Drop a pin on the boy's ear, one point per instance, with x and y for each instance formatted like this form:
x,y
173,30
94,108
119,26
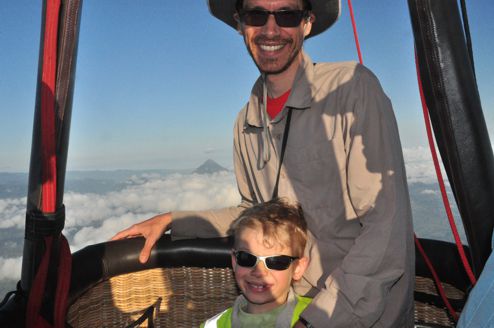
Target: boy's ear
x,y
299,268
234,262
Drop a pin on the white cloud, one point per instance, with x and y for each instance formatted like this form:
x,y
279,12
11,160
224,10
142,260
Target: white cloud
x,y
419,165
12,213
93,218
10,268
102,231
146,195
149,194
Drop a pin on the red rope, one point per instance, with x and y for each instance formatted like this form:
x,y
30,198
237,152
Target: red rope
x,y
441,184
440,180
355,34
439,285
48,131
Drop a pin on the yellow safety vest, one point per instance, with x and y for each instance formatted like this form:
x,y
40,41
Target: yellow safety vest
x,y
224,319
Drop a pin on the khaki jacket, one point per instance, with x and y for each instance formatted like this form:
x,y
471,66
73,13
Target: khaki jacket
x,y
344,164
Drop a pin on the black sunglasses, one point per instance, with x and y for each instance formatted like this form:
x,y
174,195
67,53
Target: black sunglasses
x,y
277,262
284,18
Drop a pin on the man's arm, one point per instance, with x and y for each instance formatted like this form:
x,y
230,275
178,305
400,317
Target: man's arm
x,y
359,291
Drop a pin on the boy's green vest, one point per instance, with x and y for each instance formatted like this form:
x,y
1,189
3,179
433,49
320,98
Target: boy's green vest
x,y
224,319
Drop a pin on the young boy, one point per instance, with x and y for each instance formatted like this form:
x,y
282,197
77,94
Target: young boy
x,y
268,255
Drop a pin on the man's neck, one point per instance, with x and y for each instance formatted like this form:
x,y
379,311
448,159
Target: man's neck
x,y
278,84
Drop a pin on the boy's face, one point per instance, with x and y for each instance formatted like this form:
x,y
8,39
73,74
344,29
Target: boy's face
x,y
263,288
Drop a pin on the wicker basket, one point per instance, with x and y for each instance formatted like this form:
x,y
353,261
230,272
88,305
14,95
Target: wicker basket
x,y
195,295
185,297
430,315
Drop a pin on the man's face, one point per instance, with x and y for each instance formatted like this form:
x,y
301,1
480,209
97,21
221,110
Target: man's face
x,y
274,49
265,289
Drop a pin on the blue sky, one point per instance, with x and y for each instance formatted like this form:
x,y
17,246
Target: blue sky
x,y
159,83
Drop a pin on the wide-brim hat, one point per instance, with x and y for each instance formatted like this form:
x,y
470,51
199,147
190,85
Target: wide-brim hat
x,y
326,12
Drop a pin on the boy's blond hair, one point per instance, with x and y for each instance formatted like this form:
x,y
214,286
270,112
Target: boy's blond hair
x,y
279,222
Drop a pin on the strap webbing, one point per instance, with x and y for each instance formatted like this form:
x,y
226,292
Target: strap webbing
x,y
48,131
282,154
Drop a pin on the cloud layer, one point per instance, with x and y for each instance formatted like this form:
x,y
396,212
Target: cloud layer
x,y
419,165
93,218
10,268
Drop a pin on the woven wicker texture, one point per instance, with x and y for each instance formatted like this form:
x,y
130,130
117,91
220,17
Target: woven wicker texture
x,y
428,314
195,295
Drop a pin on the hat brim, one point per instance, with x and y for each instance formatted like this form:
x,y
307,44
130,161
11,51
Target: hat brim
x,y
326,13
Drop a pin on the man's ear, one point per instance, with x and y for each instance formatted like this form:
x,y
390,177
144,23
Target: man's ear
x,y
239,24
299,267
308,24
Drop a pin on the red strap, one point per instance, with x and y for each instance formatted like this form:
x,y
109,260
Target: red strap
x,y
33,318
38,288
42,323
48,131
49,178
63,285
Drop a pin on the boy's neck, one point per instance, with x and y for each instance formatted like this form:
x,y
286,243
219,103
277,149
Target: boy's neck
x,y
261,308
254,309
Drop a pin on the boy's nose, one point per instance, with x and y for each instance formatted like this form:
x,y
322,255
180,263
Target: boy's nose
x,y
260,269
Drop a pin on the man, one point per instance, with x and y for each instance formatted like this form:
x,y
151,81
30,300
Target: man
x,y
327,139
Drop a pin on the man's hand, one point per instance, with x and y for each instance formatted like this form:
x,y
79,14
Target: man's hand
x,y
151,230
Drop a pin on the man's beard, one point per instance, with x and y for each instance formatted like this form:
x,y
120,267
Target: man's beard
x,y
291,58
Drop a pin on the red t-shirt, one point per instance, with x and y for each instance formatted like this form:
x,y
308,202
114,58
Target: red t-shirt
x,y
275,105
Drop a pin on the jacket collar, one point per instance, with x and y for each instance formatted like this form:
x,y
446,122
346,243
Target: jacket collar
x,y
300,96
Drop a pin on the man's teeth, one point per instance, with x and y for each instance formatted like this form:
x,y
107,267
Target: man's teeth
x,y
271,48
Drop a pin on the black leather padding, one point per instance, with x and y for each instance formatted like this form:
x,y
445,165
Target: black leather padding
x,y
99,262
453,102
447,263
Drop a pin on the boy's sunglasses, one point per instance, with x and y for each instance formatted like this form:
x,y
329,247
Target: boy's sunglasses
x,y
284,18
277,262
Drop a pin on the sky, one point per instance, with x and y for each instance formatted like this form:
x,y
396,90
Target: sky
x,y
159,83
